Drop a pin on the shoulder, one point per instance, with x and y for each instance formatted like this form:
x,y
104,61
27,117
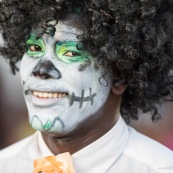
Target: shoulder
x,y
145,150
19,156
14,149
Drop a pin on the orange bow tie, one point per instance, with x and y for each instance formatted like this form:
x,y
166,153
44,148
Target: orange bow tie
x,y
61,163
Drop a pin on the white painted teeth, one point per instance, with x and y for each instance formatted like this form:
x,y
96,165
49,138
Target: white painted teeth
x,y
48,95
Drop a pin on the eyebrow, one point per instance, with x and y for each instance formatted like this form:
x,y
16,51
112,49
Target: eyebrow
x,y
65,42
66,32
60,42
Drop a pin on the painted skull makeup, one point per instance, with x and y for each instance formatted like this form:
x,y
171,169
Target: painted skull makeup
x,y
58,95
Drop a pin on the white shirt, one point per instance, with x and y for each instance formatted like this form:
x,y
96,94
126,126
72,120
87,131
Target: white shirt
x,y
120,150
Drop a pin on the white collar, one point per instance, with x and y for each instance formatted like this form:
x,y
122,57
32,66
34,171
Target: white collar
x,y
100,155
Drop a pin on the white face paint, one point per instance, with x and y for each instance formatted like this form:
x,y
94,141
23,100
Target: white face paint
x,y
63,96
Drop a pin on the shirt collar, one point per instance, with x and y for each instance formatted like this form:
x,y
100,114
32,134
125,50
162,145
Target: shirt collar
x,y
100,155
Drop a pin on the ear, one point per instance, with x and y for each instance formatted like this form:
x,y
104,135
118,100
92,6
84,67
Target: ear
x,y
118,83
118,90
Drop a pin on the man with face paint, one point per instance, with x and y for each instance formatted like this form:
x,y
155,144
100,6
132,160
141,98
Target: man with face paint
x,y
55,86
86,68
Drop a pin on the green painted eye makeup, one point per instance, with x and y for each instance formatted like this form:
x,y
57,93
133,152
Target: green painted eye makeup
x,y
69,53
65,51
35,46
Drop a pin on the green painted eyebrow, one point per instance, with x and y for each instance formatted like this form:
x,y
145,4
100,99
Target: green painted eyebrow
x,y
37,42
62,48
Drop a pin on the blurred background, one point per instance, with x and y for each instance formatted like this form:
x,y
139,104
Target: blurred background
x,y
14,120
13,114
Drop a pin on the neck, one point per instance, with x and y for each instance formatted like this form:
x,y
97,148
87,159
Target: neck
x,y
74,143
87,132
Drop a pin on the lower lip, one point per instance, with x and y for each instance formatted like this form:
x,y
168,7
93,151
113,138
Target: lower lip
x,y
43,102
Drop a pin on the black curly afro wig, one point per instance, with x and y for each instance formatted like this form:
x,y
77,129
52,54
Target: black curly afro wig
x,y
130,37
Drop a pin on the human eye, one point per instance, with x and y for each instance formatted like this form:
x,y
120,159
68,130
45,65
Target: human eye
x,y
68,52
71,54
35,46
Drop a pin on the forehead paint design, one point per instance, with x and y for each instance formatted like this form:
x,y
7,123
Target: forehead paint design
x,y
66,31
50,27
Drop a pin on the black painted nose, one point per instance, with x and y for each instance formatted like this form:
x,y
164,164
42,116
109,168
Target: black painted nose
x,y
46,70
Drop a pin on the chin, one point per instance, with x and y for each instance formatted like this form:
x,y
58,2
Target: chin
x,y
60,134
58,129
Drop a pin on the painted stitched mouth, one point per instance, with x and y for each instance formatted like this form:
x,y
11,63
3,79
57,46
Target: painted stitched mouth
x,y
72,97
40,94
